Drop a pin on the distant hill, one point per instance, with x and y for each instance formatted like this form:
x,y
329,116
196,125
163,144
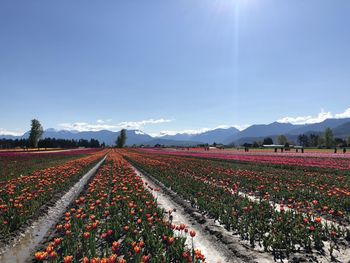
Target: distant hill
x,y
167,142
321,126
341,128
9,137
217,135
177,137
261,130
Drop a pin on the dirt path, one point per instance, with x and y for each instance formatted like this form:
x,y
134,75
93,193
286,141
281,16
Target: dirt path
x,y
216,243
22,247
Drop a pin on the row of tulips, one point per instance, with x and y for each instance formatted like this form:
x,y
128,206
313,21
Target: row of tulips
x,y
15,164
21,197
264,158
213,188
322,192
117,220
308,152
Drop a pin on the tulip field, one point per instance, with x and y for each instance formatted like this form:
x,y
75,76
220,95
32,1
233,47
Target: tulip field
x,y
281,206
15,164
317,160
281,210
29,181
117,220
320,192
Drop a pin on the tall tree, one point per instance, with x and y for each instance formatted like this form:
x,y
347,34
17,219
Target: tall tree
x,y
36,132
268,141
321,141
121,139
340,142
256,144
282,139
303,140
328,137
313,140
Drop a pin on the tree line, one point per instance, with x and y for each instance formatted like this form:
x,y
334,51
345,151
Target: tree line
x,y
322,140
34,140
326,140
50,143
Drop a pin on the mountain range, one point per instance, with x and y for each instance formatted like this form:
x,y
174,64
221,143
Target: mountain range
x,y
341,128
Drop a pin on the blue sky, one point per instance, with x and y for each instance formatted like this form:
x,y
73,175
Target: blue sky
x,y
172,65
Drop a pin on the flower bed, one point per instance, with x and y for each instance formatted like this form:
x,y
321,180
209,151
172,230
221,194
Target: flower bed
x,y
14,164
22,197
314,160
213,186
117,220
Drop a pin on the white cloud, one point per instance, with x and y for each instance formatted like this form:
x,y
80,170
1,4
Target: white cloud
x,y
136,125
345,114
172,132
83,126
7,132
104,121
323,115
104,125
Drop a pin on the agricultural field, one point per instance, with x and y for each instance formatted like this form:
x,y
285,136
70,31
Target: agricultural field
x,y
323,192
168,205
202,131
29,181
117,219
266,157
283,207
14,163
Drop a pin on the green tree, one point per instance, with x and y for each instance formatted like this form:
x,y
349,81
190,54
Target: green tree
x,y
314,140
321,141
121,139
256,144
35,134
349,141
303,140
339,142
282,139
329,138
268,141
